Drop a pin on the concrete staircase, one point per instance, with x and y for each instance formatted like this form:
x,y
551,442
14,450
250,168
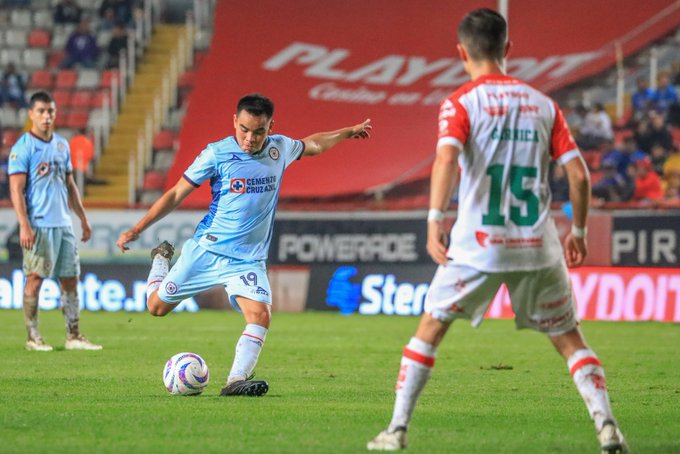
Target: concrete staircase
x,y
147,100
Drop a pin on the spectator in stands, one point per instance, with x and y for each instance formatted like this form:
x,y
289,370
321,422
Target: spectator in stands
x,y
82,152
118,43
613,187
658,157
666,96
671,172
4,177
107,21
576,119
559,184
67,12
596,129
660,133
81,48
643,99
647,182
643,135
13,87
122,10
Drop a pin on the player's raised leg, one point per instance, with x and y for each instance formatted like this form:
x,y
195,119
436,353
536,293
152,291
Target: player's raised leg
x,y
161,256
70,307
588,375
34,340
416,366
239,383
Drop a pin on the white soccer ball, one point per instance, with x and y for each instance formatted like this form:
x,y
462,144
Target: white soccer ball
x,y
186,374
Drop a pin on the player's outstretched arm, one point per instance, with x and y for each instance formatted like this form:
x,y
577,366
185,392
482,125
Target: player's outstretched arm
x,y
168,202
575,247
442,182
76,204
319,142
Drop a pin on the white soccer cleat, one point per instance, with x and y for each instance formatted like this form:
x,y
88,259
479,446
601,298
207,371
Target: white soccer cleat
x,y
38,345
80,343
611,439
388,441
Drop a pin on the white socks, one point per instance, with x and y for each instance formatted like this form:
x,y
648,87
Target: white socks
x,y
31,316
247,351
70,307
588,376
159,269
416,366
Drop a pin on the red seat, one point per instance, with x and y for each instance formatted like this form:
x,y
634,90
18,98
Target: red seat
x,y
153,180
62,117
97,100
62,98
10,136
39,38
164,140
82,99
77,119
186,80
107,75
66,78
42,79
54,58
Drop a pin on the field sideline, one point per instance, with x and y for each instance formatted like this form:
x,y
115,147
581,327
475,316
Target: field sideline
x,y
331,387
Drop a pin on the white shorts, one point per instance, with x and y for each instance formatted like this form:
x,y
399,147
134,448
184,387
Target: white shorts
x,y
542,299
54,253
198,270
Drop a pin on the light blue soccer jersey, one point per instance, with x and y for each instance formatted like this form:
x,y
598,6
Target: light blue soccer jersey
x,y
46,165
245,191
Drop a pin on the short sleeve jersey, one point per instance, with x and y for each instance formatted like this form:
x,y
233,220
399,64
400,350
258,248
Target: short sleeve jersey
x,y
245,191
46,165
507,133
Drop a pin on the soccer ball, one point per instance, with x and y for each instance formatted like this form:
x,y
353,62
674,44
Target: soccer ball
x,y
186,374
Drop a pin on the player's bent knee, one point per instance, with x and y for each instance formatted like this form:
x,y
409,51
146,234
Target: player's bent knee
x,y
158,307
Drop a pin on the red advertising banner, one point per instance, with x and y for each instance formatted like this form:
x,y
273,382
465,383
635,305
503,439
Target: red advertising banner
x,y
616,294
333,64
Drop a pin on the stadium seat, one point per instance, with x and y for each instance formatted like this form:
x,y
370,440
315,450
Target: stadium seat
x,y
10,118
59,38
88,78
106,77
77,119
39,38
34,58
66,78
10,56
81,99
103,39
16,38
42,18
21,18
10,136
98,98
54,58
164,140
62,97
153,180
41,79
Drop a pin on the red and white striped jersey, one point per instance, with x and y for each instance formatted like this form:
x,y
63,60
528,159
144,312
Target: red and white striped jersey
x,y
507,133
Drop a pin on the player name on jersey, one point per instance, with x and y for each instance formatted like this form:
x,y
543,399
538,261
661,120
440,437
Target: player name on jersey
x,y
514,134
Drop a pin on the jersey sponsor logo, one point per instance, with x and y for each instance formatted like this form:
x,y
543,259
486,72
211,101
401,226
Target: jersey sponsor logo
x,y
171,288
514,135
235,157
448,110
274,153
496,111
43,168
237,185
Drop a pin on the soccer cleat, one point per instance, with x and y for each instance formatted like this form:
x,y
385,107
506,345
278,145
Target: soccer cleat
x,y
80,343
611,439
248,387
38,345
388,441
164,249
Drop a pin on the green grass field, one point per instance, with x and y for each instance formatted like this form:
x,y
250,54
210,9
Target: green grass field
x,y
331,387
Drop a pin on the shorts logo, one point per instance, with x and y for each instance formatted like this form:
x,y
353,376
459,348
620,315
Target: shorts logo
x,y
481,238
171,288
237,185
274,153
43,168
210,237
261,291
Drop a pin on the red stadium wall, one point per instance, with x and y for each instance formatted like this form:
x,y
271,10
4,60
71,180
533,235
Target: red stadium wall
x,y
330,64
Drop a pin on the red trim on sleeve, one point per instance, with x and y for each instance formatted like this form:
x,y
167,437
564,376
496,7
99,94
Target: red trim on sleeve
x,y
584,362
561,141
417,357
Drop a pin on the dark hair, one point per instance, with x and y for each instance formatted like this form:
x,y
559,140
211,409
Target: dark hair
x,y
256,105
484,33
40,96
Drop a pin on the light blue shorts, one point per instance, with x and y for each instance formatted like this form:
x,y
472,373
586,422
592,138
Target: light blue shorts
x,y
54,253
198,270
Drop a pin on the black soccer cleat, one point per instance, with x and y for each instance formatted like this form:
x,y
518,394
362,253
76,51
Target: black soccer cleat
x,y
164,249
251,388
